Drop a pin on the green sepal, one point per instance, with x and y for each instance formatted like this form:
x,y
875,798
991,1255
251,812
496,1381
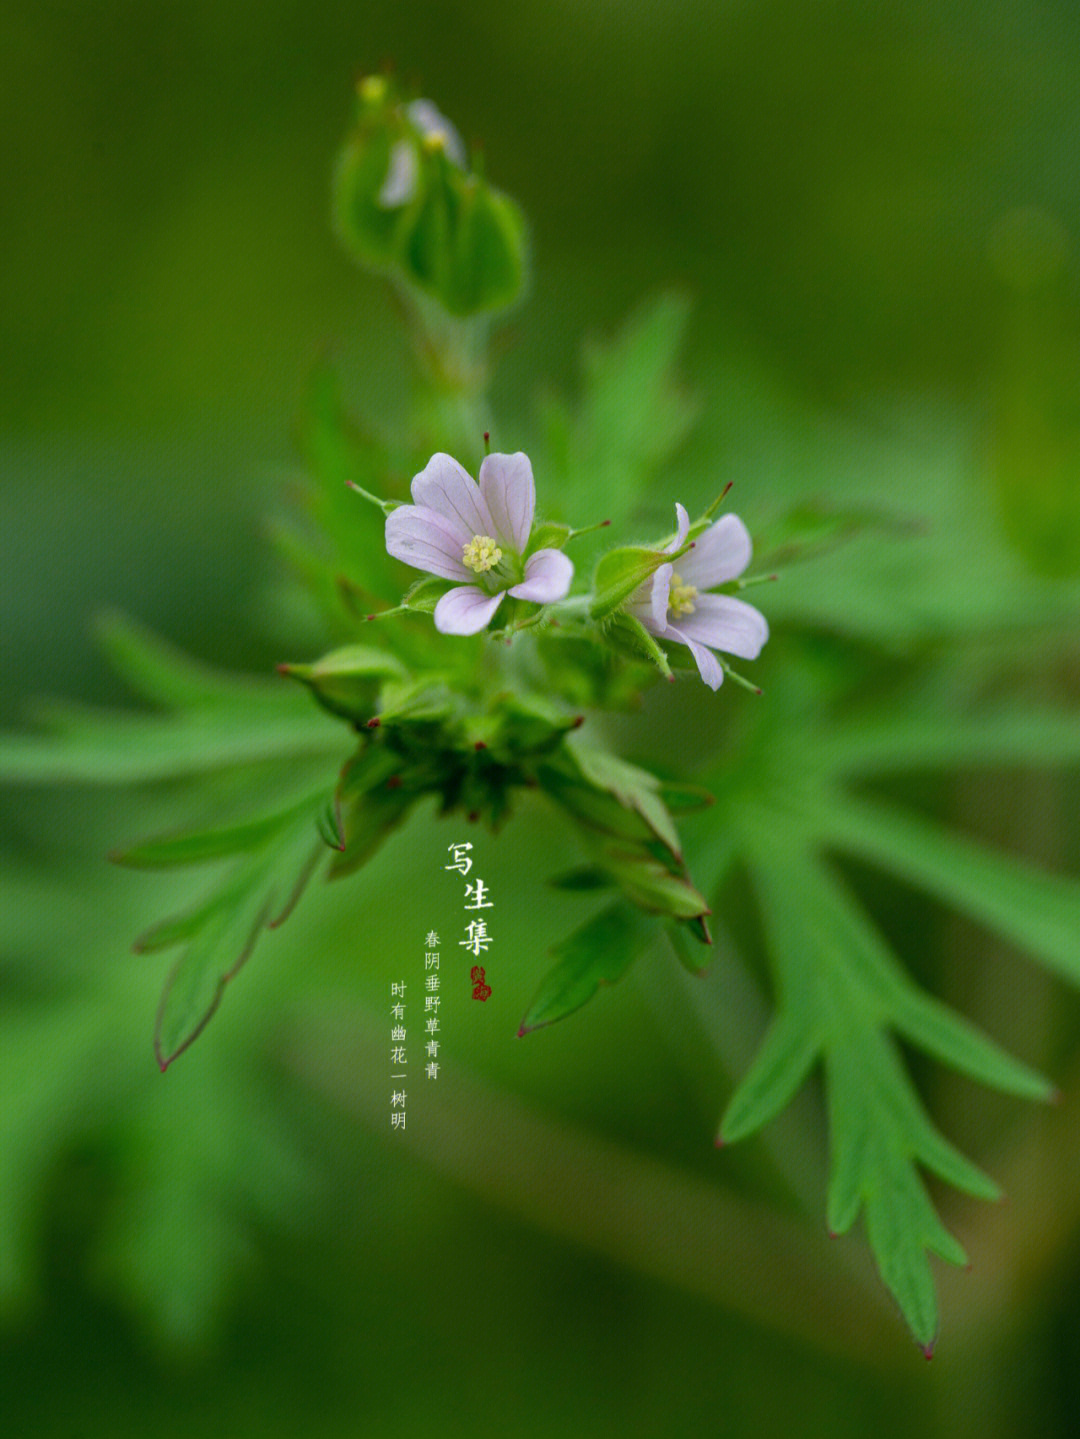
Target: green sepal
x,y
596,808
425,594
653,886
346,681
548,536
370,801
633,787
687,957
369,231
629,635
453,237
367,822
618,575
683,798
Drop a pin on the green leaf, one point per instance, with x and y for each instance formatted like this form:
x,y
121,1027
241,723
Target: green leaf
x,y
156,670
108,747
258,896
631,419
653,886
780,1067
682,798
1037,911
915,737
813,528
839,992
214,844
168,933
599,952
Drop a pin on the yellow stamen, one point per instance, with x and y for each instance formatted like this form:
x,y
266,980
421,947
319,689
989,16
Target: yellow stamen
x,y
481,553
434,142
680,597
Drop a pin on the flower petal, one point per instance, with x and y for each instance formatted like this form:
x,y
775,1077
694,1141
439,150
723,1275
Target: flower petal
x,y
465,611
506,483
719,555
547,578
682,524
660,595
429,120
400,184
426,540
442,485
726,624
707,663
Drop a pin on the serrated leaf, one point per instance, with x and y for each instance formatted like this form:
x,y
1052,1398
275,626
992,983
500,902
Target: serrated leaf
x,y
779,1070
168,933
182,849
261,894
933,1027
106,747
1008,735
1037,911
159,671
632,416
839,992
599,952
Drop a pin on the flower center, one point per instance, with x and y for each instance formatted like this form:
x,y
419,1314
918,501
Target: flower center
x,y
481,554
680,597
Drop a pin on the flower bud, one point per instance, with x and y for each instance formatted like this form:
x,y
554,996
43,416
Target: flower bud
x,y
347,681
406,203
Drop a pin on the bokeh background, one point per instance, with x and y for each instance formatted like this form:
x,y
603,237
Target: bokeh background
x,y
874,211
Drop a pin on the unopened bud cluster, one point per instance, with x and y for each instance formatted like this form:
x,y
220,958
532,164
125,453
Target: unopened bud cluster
x,y
407,203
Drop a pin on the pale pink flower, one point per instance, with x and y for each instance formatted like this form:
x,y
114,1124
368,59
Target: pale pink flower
x,y
674,603
476,533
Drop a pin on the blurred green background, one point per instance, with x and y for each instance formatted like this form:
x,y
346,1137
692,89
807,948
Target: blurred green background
x,y
873,209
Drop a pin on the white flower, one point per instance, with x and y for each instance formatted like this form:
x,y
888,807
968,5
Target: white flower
x,y
674,604
436,130
476,533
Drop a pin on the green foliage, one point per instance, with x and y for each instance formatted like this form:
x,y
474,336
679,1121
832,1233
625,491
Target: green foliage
x,y
868,682
631,418
599,952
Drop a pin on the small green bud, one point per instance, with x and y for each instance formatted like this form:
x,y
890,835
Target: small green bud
x,y
406,203
347,681
619,574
